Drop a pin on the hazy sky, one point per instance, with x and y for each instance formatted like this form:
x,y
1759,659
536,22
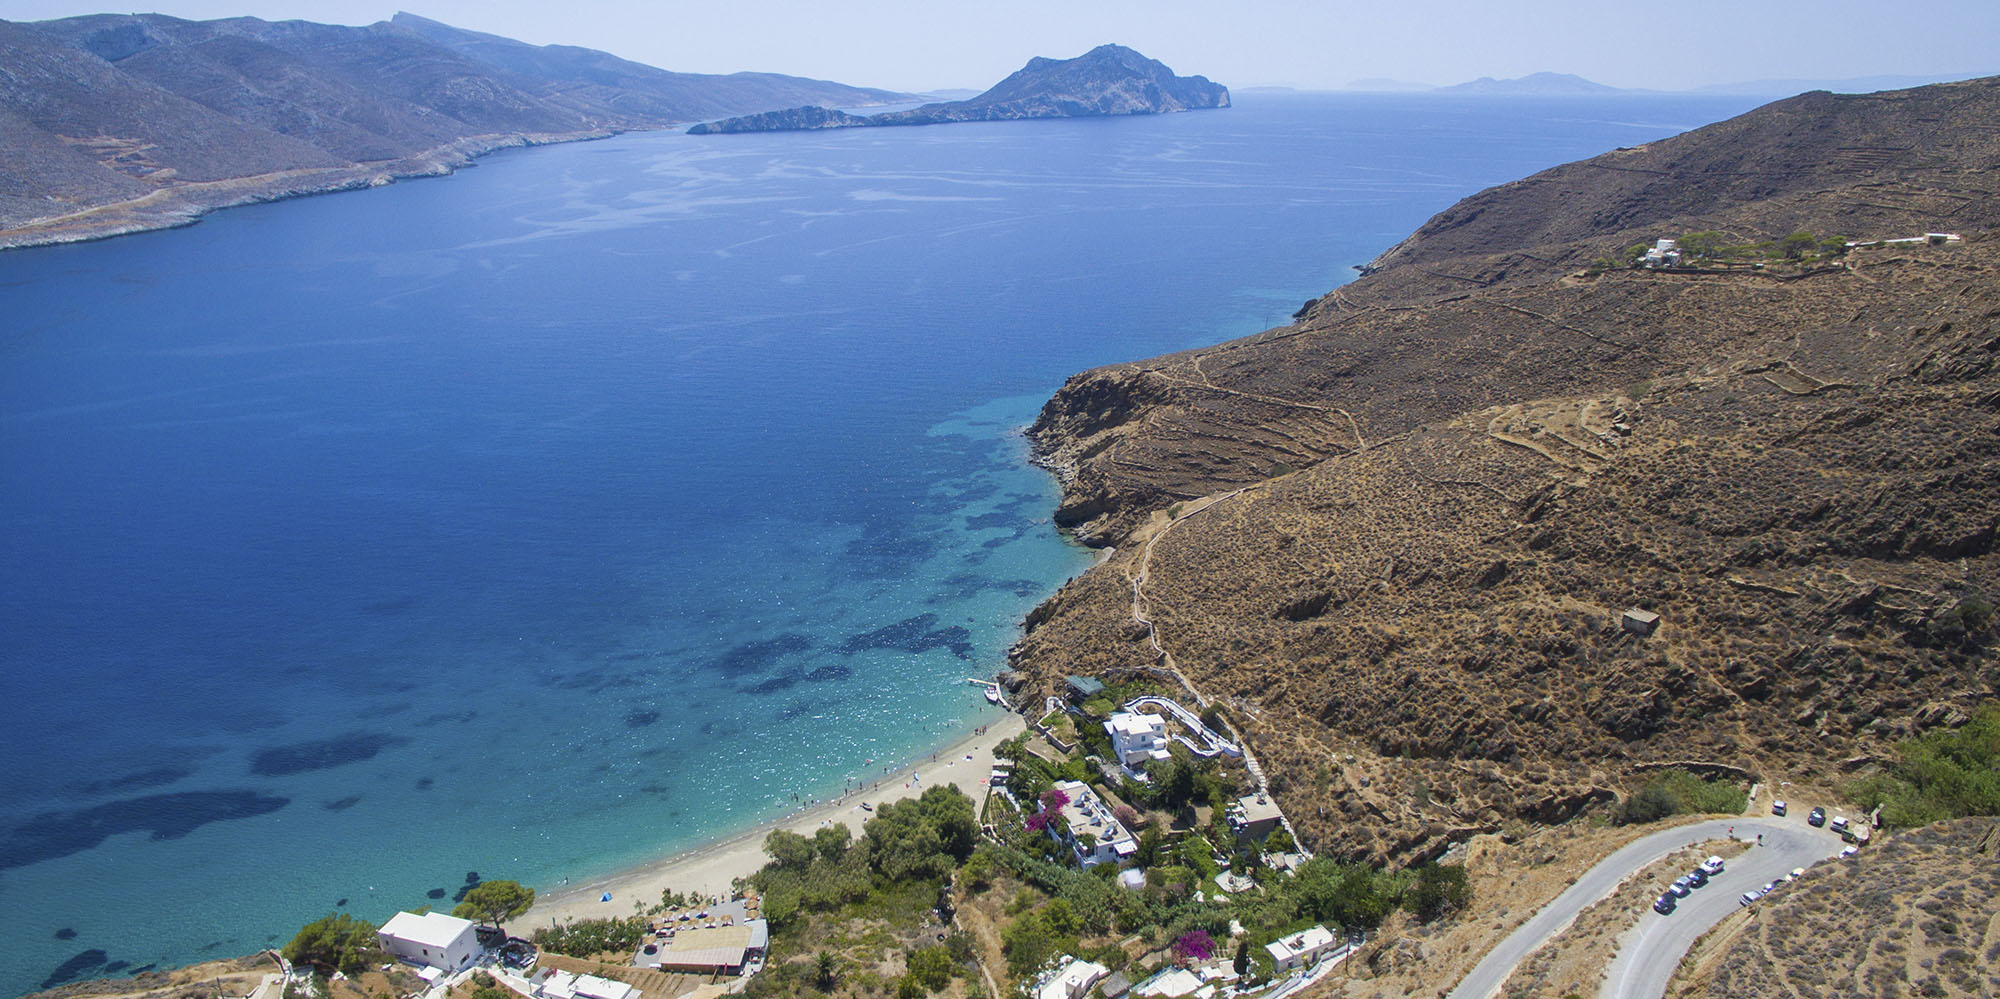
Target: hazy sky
x,y
932,44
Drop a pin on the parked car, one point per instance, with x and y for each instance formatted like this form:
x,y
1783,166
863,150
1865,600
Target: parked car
x,y
1797,873
1664,904
1751,896
1771,886
1839,824
1850,851
1816,817
1697,877
1679,887
1712,865
1778,807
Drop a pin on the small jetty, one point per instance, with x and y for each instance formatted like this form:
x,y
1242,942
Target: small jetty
x,y
993,695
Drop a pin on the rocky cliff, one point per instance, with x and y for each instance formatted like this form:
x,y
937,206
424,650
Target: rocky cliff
x,y
1398,536
113,123
1107,80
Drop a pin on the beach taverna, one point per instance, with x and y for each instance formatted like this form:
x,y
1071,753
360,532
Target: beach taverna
x,y
722,950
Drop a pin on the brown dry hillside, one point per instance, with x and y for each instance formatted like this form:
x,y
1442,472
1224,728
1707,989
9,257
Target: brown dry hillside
x,y
1440,493
1920,917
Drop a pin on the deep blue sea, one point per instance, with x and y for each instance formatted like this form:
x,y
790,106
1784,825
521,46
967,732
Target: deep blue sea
x,y
581,507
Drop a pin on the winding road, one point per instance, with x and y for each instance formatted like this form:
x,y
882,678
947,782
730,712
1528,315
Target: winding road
x,y
1650,951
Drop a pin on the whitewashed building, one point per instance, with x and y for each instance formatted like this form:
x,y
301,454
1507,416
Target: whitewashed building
x,y
564,985
1072,980
1300,949
1092,833
1137,739
433,940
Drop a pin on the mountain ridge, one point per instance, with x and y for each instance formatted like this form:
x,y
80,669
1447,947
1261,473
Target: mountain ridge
x,y
120,123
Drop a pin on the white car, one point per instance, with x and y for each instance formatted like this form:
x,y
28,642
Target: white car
x,y
1778,807
1797,873
1850,851
1751,896
1839,824
1712,865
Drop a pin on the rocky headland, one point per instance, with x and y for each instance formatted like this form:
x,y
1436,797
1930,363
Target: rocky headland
x,y
1396,539
115,123
1107,80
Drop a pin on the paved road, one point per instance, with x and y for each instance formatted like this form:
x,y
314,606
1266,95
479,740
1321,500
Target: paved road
x,y
1650,952
1788,843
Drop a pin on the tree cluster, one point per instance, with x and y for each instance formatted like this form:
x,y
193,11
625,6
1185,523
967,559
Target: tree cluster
x,y
335,943
912,840
590,937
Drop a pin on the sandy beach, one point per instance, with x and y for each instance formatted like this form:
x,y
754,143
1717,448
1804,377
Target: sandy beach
x,y
709,870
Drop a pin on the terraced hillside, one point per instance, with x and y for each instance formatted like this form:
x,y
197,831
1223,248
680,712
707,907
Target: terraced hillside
x,y
1399,535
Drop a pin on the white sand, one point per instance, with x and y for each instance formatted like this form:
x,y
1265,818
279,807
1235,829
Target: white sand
x,y
709,869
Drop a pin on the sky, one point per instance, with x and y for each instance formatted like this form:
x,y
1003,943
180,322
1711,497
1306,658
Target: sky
x,y
920,45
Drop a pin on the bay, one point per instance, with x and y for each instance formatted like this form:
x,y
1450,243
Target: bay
x,y
584,506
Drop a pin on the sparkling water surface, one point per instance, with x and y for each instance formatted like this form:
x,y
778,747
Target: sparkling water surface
x,y
582,507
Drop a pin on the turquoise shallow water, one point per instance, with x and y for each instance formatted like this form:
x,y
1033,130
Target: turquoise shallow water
x,y
582,507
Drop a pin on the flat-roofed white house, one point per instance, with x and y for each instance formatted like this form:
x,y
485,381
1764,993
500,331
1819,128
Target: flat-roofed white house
x,y
433,940
1137,739
564,985
1301,948
1071,981
1253,817
1094,835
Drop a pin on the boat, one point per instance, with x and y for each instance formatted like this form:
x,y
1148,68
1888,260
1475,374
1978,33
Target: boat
x,y
993,694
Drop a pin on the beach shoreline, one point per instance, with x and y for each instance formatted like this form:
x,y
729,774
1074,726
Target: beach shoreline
x,y
708,870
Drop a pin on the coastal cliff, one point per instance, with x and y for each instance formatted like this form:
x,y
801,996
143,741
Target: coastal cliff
x,y
116,123
1107,80
1397,538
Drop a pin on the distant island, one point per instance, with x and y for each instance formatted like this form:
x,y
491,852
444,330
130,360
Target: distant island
x,y
1532,85
1108,80
114,123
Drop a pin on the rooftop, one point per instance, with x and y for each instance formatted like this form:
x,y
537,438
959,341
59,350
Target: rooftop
x,y
1087,813
721,947
1129,724
565,985
431,929
1257,808
1301,942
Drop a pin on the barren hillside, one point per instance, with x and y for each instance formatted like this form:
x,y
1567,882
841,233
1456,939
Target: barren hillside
x,y
1442,488
1919,917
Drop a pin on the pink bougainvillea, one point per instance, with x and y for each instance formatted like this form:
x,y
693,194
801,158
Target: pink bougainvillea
x,y
1052,806
1194,945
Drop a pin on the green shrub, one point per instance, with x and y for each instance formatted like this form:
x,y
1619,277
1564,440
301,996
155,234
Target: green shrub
x,y
1673,792
1940,775
932,968
1441,889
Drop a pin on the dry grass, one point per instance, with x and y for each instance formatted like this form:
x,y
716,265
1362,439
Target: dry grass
x,y
1918,915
